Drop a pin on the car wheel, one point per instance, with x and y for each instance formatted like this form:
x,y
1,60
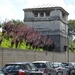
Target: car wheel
x,y
49,74
72,73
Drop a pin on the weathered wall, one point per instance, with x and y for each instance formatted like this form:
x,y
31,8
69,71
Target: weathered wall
x,y
13,55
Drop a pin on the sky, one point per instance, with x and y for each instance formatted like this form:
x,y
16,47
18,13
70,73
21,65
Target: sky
x,y
13,9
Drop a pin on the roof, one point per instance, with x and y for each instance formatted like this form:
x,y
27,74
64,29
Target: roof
x,y
46,8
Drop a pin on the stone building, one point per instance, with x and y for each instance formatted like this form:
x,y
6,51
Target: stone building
x,y
50,21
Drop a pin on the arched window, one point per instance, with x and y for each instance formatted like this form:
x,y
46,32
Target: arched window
x,y
36,14
47,14
41,14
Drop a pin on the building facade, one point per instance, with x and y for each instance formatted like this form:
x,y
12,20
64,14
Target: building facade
x,y
50,21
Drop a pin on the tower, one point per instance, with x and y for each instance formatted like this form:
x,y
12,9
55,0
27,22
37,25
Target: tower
x,y
50,21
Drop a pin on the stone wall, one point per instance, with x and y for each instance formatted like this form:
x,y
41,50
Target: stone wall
x,y
14,55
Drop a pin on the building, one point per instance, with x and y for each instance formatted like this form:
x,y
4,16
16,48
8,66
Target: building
x,y
50,21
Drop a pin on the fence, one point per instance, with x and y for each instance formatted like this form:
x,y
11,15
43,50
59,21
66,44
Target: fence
x,y
14,55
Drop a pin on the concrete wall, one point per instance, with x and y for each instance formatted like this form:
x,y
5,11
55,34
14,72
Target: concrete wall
x,y
13,55
44,24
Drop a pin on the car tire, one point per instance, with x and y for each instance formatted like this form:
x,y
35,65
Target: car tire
x,y
72,73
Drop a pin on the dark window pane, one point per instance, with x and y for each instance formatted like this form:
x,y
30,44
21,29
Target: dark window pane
x,y
41,14
36,14
47,14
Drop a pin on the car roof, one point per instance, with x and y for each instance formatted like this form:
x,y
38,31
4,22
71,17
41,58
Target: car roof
x,y
18,63
71,62
40,61
56,63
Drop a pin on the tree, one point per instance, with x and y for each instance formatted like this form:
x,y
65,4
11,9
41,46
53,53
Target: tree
x,y
19,32
71,24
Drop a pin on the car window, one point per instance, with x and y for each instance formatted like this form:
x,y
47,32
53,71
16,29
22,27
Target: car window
x,y
8,67
67,64
27,67
32,66
58,65
55,65
62,66
49,64
17,67
70,64
12,66
40,65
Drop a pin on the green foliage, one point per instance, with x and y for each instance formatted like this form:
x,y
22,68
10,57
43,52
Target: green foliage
x,y
6,43
17,22
71,45
71,24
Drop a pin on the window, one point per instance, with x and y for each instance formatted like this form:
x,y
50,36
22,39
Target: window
x,y
12,66
40,65
47,14
27,67
49,64
8,67
32,66
36,14
41,14
17,67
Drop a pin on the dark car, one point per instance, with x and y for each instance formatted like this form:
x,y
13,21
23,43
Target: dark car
x,y
46,67
21,68
70,67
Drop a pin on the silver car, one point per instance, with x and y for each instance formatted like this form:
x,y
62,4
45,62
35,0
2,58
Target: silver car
x,y
46,67
60,68
73,63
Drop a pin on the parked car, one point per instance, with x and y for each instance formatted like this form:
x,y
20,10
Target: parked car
x,y
21,68
46,67
1,72
60,68
73,63
70,67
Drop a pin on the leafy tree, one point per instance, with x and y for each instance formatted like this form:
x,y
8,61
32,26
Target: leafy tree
x,y
19,32
71,24
17,22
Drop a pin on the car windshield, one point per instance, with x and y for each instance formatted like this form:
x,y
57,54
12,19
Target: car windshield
x,y
67,64
12,66
58,65
40,65
32,66
55,65
49,64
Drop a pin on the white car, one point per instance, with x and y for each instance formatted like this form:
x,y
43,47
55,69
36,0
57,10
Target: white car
x,y
73,63
46,67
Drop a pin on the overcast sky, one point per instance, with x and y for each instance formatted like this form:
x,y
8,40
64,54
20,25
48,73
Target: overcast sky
x,y
13,9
